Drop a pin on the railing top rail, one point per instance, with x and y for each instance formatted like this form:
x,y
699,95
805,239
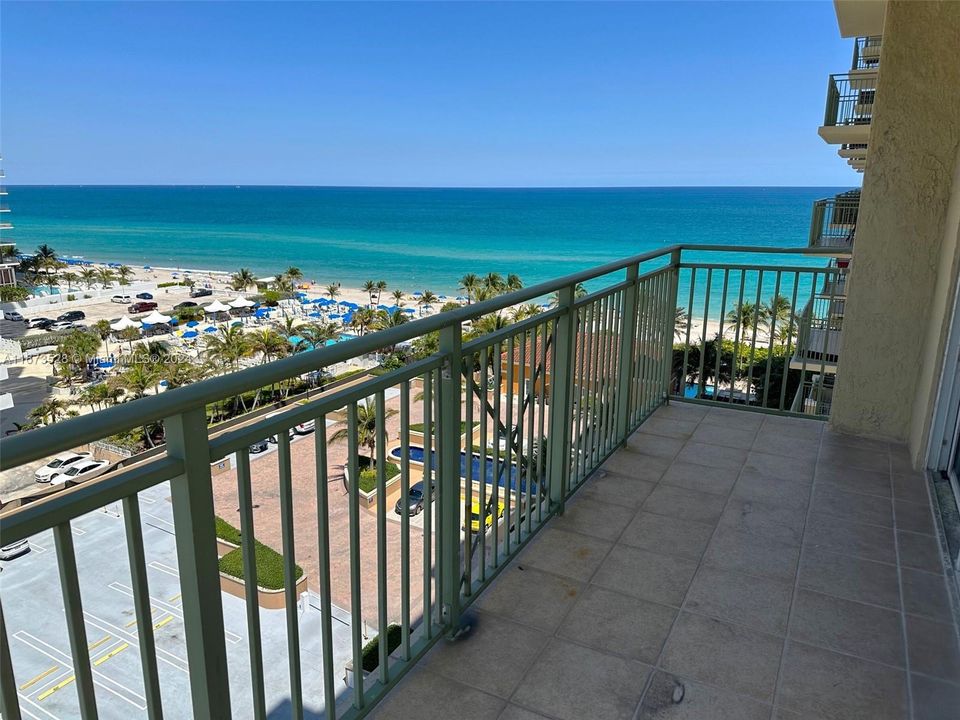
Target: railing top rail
x,y
30,446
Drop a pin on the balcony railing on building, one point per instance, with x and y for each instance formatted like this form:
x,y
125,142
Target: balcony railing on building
x,y
834,221
550,398
866,53
849,107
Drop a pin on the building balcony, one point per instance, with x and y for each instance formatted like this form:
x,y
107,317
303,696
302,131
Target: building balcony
x,y
599,545
834,221
849,108
866,52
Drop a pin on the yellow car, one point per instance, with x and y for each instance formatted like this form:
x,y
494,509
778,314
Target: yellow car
x,y
475,516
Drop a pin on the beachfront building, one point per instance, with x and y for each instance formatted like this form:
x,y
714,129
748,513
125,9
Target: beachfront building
x,y
8,264
682,558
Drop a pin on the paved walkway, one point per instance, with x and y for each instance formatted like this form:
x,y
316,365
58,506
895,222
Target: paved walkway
x,y
725,565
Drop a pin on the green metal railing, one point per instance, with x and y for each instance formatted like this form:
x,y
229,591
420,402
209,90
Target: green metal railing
x,y
543,402
833,223
866,52
850,99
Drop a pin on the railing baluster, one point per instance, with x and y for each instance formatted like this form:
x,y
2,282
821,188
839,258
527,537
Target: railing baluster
x,y
248,552
496,456
76,625
753,336
405,518
736,336
772,331
701,380
484,441
141,605
530,400
323,566
9,702
788,354
719,353
561,395
353,510
670,328
547,345
449,476
290,572
467,367
578,341
192,504
381,471
428,489
516,476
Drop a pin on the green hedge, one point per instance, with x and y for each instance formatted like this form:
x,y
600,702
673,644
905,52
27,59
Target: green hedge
x,y
269,566
167,284
226,531
368,474
371,651
29,342
418,427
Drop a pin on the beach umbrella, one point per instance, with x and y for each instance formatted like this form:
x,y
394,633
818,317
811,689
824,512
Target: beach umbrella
x,y
441,297
215,307
409,310
124,323
145,325
210,329
334,316
156,317
105,364
237,322
240,302
417,293
193,323
461,298
314,314
189,334
146,267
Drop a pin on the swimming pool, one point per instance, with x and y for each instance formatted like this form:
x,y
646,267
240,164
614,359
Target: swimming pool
x,y
417,454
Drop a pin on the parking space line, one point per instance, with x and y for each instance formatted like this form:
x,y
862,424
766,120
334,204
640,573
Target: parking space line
x,y
158,625
118,649
104,681
160,520
165,655
172,609
59,686
165,568
99,642
37,547
31,703
34,680
174,598
153,611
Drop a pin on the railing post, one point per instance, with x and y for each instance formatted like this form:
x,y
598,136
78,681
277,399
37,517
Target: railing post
x,y
628,348
669,320
561,400
449,477
192,502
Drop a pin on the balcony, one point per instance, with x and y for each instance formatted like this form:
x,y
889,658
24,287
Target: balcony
x,y
638,537
866,52
849,108
834,221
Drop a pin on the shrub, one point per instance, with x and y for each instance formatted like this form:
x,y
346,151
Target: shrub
x,y
29,342
269,566
418,427
371,651
13,293
368,473
226,531
167,284
71,296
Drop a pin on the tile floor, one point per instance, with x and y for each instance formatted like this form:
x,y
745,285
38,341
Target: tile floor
x,y
724,565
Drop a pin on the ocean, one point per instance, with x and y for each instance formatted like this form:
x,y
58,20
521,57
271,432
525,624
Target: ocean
x,y
414,239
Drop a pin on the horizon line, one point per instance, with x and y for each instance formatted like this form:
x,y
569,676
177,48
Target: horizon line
x,y
407,187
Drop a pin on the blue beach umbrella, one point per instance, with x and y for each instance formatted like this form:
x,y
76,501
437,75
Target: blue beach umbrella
x,y
105,364
314,314
193,323
190,334
417,293
210,329
409,310
334,316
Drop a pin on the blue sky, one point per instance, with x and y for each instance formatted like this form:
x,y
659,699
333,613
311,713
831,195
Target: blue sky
x,y
456,94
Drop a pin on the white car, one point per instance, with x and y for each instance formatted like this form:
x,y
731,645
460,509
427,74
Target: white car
x,y
304,428
58,464
38,322
62,325
122,299
83,470
12,315
8,552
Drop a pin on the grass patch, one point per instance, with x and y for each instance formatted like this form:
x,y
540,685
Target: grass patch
x,y
226,531
269,566
368,473
371,651
501,454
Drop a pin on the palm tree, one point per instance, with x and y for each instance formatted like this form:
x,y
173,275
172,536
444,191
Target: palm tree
x,y
124,273
333,291
290,326
70,279
105,276
522,312
777,314
294,273
578,292
268,344
388,320
51,410
363,319
317,334
494,283
242,279
490,323
227,347
680,320
88,276
368,424
428,298
128,335
45,252
101,395
469,283
8,252
397,297
370,287
513,282
381,286
743,317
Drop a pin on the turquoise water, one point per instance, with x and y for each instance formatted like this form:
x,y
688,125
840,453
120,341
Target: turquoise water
x,y
415,239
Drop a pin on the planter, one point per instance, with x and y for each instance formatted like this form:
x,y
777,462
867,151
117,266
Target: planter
x,y
369,499
223,547
268,599
349,677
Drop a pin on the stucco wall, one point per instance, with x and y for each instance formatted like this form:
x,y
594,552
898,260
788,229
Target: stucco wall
x,y
895,312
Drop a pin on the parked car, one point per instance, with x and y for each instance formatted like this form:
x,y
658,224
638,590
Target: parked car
x,y
201,292
259,446
415,499
72,316
475,516
39,322
8,552
184,304
58,464
305,428
83,470
12,315
142,306
144,296
120,299
61,325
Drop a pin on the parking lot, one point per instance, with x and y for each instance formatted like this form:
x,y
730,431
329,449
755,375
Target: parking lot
x,y
36,626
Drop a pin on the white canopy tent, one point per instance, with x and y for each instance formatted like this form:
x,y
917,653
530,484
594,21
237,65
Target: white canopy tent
x,y
216,306
155,317
124,323
240,302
